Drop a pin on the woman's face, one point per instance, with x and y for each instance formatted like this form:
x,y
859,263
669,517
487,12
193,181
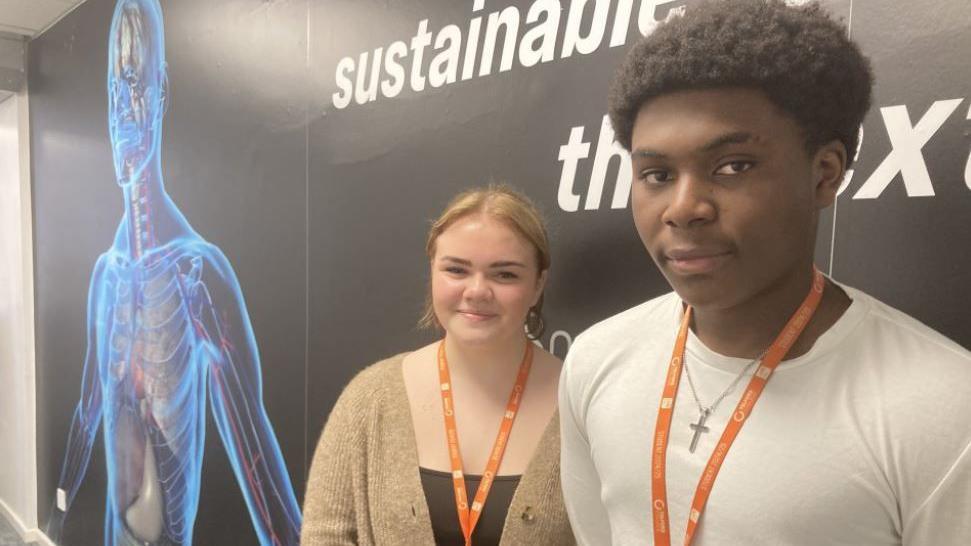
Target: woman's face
x,y
484,280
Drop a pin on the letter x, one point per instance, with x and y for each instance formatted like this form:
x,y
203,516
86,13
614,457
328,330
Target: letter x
x,y
906,157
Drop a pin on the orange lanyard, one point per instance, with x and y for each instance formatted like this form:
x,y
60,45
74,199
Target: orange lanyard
x,y
468,518
777,351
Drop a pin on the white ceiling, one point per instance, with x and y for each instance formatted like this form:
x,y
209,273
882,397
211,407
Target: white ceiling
x,y
31,17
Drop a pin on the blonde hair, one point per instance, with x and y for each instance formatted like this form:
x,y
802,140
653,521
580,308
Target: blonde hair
x,y
502,203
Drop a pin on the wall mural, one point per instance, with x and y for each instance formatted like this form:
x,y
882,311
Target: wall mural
x,y
167,329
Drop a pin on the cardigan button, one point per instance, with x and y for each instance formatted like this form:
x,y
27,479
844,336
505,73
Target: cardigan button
x,y
528,515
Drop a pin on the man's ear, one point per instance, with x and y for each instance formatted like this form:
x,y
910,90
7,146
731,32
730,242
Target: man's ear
x,y
828,170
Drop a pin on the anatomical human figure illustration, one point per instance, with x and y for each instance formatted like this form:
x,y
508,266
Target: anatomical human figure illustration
x,y
167,329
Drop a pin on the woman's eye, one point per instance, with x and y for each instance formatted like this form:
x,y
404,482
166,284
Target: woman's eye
x,y
455,270
735,167
507,275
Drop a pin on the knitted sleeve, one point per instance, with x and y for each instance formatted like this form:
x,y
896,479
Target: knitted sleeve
x,y
336,486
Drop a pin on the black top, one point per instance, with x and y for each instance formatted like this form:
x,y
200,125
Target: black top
x,y
440,495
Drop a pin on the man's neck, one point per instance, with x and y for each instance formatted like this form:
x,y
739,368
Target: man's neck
x,y
748,329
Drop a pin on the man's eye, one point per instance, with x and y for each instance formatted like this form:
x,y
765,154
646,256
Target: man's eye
x,y
655,176
735,167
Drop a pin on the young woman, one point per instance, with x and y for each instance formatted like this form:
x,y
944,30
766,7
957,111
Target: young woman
x,y
456,443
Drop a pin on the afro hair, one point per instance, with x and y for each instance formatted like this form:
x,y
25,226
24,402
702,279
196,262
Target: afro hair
x,y
799,57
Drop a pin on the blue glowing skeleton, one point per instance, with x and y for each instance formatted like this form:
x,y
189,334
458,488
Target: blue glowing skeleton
x,y
166,323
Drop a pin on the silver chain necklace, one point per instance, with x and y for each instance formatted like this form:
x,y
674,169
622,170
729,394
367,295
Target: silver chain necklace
x,y
704,412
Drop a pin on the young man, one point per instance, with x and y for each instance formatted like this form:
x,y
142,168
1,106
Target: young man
x,y
759,403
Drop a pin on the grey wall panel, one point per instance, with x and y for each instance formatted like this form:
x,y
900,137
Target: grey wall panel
x,y
900,232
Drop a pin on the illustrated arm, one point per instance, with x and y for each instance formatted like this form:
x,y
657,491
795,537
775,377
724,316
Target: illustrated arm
x,y
87,414
236,396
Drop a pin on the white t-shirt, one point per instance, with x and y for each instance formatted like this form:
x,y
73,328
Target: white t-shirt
x,y
864,440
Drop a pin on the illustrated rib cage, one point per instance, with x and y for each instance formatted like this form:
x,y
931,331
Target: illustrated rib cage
x,y
157,371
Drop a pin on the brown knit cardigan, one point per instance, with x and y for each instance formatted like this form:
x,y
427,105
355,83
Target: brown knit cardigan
x,y
364,487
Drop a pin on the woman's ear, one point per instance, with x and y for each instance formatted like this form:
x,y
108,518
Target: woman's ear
x,y
540,285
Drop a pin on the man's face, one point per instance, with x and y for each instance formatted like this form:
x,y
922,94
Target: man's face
x,y
135,94
725,195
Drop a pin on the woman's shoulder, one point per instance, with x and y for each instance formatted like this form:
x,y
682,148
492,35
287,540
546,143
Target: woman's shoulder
x,y
546,367
377,377
540,354
373,391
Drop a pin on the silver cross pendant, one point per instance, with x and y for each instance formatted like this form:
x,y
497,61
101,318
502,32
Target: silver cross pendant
x,y
698,427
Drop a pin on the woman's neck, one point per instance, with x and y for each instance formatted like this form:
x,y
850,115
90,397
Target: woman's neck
x,y
487,364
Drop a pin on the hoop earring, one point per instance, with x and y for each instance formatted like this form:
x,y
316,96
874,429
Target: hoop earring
x,y
535,325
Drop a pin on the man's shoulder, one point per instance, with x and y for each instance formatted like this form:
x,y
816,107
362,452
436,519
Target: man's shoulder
x,y
614,342
911,389
901,367
637,321
886,327
617,349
